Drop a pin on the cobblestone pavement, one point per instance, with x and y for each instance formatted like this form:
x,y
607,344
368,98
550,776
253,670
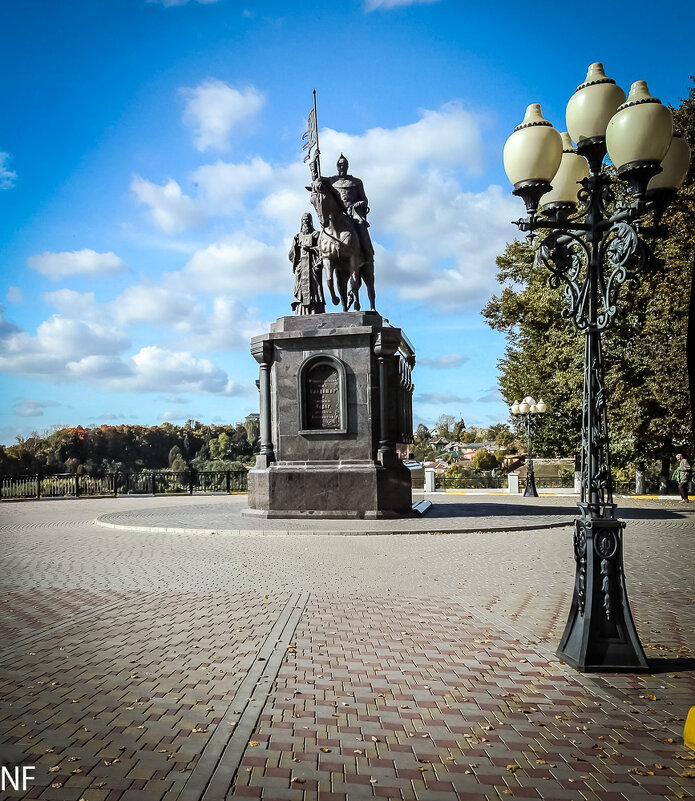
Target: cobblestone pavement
x,y
144,666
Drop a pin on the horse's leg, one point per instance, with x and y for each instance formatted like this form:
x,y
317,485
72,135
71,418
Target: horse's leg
x,y
355,281
330,279
368,270
342,288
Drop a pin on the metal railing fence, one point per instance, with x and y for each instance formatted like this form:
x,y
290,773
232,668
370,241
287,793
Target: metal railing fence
x,y
164,482
470,482
548,482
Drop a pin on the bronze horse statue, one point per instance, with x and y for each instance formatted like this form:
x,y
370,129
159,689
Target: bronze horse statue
x,y
339,246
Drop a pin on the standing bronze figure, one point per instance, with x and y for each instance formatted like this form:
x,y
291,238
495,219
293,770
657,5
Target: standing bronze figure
x,y
308,270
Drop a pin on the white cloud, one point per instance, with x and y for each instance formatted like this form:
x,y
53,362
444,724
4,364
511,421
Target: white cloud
x,y
170,209
73,304
7,329
155,369
223,187
173,398
152,303
440,398
14,295
223,324
492,395
87,263
228,326
172,416
241,264
436,243
214,109
57,342
26,407
7,176
100,370
108,417
93,353
447,361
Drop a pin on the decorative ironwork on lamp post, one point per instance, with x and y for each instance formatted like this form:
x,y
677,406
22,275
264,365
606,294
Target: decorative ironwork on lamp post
x,y
596,244
529,410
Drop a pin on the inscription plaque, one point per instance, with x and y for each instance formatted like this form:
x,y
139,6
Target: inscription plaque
x,y
322,397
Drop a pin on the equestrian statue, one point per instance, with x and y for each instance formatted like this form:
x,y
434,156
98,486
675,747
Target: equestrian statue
x,y
344,244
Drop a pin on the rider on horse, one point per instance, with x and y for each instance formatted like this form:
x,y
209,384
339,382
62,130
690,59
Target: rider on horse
x,y
351,191
350,195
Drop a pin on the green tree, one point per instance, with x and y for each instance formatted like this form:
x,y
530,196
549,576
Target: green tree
x,y
455,471
253,429
178,463
421,434
505,438
219,447
484,460
458,430
174,455
444,424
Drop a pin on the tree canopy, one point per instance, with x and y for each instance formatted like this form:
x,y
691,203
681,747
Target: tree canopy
x,y
129,448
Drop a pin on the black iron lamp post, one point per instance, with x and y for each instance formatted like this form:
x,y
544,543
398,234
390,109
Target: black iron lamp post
x,y
594,245
529,410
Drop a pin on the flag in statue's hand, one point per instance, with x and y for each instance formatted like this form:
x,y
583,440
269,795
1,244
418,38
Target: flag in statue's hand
x,y
311,135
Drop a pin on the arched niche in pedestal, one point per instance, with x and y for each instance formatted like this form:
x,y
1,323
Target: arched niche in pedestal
x,y
322,395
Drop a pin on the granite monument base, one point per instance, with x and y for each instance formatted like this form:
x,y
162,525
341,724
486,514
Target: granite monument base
x,y
335,392
357,491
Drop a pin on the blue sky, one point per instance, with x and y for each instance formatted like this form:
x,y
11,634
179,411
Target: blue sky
x,y
151,179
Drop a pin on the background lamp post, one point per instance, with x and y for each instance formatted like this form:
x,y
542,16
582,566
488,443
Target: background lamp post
x,y
593,245
529,410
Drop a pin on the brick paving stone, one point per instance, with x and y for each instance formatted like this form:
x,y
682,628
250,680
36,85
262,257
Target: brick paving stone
x,y
119,644
527,724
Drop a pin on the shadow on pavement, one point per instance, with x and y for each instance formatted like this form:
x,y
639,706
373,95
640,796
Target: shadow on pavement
x,y
644,513
477,509
671,664
533,508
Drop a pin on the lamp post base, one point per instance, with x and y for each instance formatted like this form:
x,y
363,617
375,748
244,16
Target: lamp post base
x,y
530,490
600,635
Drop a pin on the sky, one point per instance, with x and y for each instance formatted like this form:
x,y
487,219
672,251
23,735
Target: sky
x,y
151,180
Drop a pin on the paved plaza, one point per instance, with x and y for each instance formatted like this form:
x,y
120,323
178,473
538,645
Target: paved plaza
x,y
167,649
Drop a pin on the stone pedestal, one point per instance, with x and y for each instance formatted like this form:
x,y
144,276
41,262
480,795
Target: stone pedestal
x,y
336,397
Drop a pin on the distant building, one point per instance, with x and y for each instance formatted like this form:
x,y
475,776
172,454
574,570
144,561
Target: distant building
x,y
438,465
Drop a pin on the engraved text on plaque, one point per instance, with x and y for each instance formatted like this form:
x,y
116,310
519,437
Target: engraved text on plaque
x,y
322,397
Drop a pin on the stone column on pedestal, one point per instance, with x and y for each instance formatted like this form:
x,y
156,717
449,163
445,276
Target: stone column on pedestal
x,y
385,347
262,352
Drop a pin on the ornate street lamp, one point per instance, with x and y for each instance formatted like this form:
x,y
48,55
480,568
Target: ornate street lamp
x,y
592,248
529,410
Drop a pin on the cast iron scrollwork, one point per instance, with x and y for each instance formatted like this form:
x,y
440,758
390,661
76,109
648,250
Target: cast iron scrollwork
x,y
565,255
621,250
580,557
606,587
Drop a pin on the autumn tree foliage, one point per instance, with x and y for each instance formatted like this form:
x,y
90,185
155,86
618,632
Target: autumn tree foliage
x,y
129,448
